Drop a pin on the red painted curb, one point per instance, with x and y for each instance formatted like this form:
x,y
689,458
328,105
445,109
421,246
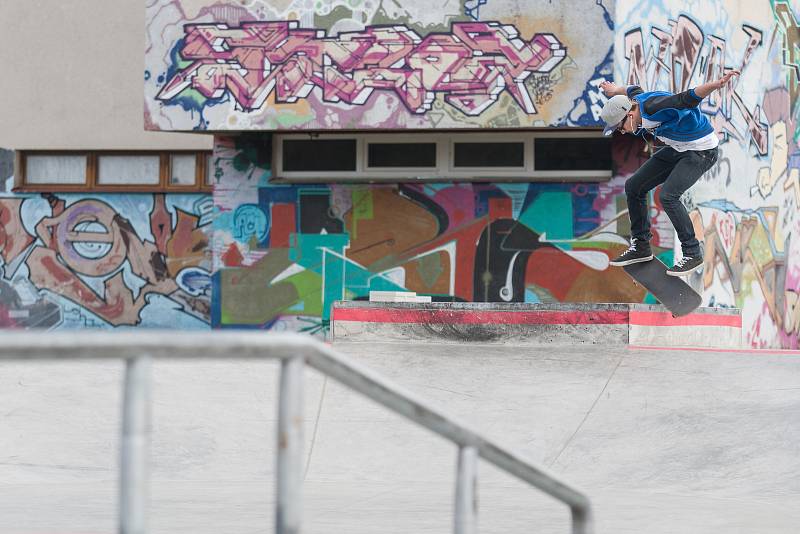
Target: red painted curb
x,y
645,318
477,317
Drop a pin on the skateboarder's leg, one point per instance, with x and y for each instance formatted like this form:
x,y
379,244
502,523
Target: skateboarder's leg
x,y
651,174
690,167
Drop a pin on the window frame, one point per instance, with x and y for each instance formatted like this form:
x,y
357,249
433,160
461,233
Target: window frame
x,y
208,165
445,169
91,182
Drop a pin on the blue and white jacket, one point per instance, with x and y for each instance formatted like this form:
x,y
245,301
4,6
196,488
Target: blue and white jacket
x,y
679,117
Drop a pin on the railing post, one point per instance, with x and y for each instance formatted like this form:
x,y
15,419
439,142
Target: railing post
x,y
466,509
134,453
289,506
582,522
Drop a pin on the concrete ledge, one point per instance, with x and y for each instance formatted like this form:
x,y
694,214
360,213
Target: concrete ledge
x,y
534,324
654,326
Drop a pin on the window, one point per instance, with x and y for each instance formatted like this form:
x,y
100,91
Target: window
x,y
68,169
400,155
146,171
572,153
128,170
545,155
303,155
488,154
182,169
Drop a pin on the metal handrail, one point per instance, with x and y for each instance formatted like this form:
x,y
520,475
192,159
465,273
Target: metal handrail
x,y
294,351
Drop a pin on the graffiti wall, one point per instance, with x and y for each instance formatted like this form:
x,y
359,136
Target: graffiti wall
x,y
102,261
284,253
745,209
362,64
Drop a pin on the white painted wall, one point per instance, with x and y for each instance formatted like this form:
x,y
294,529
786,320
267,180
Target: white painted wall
x,y
73,77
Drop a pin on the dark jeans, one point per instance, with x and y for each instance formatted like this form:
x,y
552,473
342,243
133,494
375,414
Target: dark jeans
x,y
678,171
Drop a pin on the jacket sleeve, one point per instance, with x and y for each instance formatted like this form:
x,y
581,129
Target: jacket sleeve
x,y
633,90
685,100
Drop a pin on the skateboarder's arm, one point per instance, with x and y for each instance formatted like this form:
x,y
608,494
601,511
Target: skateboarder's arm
x,y
686,99
706,89
611,89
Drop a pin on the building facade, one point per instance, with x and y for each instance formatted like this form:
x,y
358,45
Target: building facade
x,y
452,150
96,236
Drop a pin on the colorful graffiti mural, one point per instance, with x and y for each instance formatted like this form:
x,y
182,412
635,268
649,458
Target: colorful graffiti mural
x,y
366,64
285,253
301,247
470,65
746,208
746,257
72,261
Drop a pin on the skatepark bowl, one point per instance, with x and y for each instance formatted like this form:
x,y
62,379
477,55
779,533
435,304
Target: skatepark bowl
x,y
660,440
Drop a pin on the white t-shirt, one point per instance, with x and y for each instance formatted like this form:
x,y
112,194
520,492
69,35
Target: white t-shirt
x,y
704,143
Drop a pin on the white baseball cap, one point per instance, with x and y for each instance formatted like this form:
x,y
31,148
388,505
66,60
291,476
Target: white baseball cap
x,y
614,112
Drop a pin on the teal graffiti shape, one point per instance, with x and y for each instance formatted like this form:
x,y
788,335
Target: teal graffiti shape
x,y
248,221
324,255
551,214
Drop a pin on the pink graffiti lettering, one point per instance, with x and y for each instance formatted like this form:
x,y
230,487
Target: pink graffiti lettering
x,y
470,66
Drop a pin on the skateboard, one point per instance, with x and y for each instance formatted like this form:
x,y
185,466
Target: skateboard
x,y
675,294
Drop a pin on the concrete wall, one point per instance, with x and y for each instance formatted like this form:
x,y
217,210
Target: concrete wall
x,y
284,253
746,208
72,77
356,64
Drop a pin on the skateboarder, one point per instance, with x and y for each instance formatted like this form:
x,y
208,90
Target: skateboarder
x,y
691,149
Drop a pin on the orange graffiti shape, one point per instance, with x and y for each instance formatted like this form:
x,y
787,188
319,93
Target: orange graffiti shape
x,y
14,239
89,238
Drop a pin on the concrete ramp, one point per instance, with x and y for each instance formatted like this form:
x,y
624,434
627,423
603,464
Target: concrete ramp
x,y
662,441
535,324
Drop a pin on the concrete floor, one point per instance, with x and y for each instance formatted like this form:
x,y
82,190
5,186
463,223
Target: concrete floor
x,y
662,441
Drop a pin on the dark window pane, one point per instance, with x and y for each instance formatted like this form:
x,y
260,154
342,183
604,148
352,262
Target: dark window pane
x,y
401,155
489,155
572,153
319,155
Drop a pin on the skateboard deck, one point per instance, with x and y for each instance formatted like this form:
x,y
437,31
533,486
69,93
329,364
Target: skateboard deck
x,y
675,294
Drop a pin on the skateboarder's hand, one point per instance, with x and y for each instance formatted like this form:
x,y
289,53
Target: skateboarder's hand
x,y
727,77
609,88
